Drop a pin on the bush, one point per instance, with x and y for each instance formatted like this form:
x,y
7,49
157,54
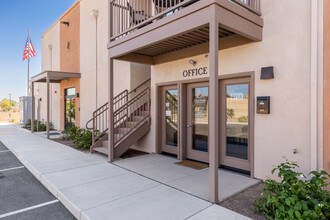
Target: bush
x,y
81,137
243,119
70,133
42,126
295,197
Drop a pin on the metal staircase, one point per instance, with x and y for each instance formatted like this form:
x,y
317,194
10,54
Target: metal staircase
x,y
131,121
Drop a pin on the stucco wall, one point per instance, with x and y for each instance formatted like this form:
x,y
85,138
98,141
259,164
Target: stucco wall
x,y
286,46
88,60
50,60
70,41
326,109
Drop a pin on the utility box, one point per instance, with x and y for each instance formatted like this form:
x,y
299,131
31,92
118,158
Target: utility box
x,y
263,105
25,103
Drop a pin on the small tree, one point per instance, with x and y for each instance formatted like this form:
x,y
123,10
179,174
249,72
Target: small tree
x,y
5,104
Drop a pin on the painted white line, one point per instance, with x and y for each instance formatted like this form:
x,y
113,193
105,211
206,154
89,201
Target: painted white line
x,y
28,209
4,151
14,168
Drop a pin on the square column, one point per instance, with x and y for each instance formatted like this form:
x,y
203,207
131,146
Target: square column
x,y
214,105
48,103
111,120
32,106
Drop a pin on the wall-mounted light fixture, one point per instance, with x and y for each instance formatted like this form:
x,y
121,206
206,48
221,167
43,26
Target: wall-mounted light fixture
x,y
66,23
94,13
193,62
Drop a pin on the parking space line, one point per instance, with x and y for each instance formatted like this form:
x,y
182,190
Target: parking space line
x,y
4,151
28,209
14,168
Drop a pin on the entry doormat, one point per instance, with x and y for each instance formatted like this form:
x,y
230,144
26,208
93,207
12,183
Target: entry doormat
x,y
192,164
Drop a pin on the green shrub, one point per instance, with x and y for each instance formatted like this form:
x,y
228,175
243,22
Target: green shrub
x,y
83,138
38,125
243,119
295,197
70,133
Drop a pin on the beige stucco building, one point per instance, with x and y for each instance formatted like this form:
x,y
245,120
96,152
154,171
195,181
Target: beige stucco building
x,y
207,95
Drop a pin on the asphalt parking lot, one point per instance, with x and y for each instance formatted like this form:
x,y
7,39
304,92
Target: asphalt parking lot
x,y
22,196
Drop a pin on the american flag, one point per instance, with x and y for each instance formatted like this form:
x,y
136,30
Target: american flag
x,y
26,54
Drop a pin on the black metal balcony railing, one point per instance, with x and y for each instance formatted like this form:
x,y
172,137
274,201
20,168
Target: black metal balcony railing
x,y
129,15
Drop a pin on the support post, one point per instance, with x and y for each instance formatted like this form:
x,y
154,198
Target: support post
x,y
111,121
48,103
182,121
213,105
32,107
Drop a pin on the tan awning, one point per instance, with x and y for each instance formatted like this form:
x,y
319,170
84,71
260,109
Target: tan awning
x,y
54,76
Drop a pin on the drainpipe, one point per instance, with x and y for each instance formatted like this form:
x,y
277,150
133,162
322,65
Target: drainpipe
x,y
50,47
95,14
314,86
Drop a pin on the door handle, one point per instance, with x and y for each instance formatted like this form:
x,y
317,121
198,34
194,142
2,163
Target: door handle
x,y
188,125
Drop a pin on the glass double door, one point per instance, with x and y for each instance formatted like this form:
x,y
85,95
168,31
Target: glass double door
x,y
70,107
234,130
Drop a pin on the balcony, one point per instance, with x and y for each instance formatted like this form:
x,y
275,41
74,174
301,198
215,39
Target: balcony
x,y
148,30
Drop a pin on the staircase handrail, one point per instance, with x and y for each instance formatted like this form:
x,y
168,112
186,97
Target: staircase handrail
x,y
129,110
116,100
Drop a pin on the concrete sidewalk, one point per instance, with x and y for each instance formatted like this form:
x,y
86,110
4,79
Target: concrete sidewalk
x,y
91,188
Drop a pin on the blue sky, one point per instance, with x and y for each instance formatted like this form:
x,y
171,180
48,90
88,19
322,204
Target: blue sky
x,y
16,16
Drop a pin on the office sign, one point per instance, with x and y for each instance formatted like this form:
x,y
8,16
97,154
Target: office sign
x,y
195,72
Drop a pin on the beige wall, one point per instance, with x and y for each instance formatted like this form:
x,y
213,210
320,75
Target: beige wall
x,y
88,59
50,60
326,109
126,75
286,46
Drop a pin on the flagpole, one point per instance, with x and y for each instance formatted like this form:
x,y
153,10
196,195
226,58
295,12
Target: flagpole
x,y
28,76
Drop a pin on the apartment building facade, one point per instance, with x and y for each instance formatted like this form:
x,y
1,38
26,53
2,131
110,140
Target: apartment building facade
x,y
237,84
75,43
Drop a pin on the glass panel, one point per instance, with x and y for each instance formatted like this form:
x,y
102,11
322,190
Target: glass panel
x,y
71,91
237,114
73,112
70,112
67,113
171,117
199,119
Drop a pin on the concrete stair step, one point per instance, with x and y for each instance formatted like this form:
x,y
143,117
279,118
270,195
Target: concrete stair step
x,y
130,124
138,118
143,113
102,150
123,130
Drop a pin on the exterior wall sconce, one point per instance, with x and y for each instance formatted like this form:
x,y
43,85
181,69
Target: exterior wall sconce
x,y
77,95
267,72
193,62
65,23
94,13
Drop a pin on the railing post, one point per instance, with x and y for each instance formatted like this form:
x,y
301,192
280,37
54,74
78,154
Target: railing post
x,y
126,104
148,106
111,115
93,130
110,20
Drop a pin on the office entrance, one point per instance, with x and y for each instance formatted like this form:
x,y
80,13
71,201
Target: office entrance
x,y
70,107
186,129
